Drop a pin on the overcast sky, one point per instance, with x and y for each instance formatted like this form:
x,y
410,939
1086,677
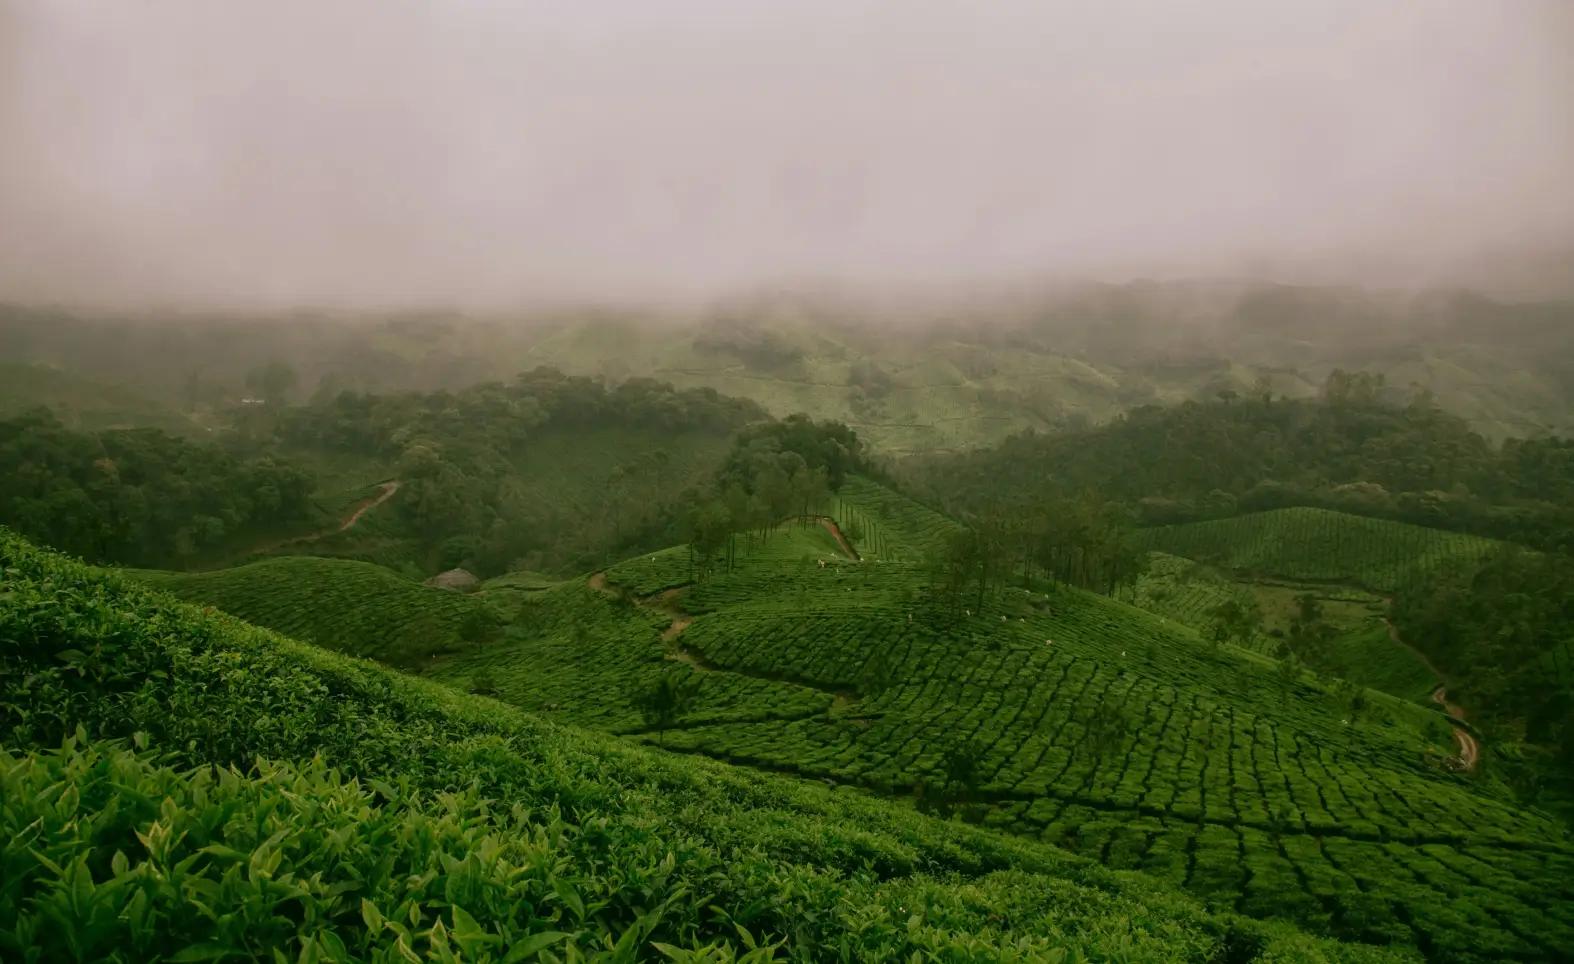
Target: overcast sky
x,y
475,152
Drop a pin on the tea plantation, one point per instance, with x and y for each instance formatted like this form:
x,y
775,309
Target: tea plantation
x,y
1250,790
892,527
1245,786
179,785
1321,546
1049,720
1188,592
352,607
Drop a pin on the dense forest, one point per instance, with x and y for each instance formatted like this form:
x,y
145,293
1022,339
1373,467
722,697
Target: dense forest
x,y
461,457
139,496
1346,450
1504,636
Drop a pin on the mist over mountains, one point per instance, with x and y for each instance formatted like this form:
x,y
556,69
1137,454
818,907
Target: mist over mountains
x,y
358,155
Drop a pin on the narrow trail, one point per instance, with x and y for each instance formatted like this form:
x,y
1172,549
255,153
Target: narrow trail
x,y
388,490
841,540
1469,750
666,603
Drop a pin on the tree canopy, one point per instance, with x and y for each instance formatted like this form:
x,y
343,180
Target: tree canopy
x,y
138,496
1346,450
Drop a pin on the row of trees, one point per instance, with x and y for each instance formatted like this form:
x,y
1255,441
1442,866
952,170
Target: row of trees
x,y
786,488
1084,542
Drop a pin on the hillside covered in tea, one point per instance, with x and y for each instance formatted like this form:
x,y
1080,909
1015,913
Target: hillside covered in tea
x,y
1250,678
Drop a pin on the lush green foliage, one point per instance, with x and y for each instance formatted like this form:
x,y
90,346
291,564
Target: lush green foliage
x,y
893,526
1501,633
1212,770
1318,545
1261,738
352,607
1214,757
139,497
1358,648
554,842
588,653
1345,451
85,404
542,472
796,441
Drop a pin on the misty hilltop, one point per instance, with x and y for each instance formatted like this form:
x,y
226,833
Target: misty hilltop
x,y
909,374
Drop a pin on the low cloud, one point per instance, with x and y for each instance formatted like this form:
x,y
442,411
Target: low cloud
x,y
480,153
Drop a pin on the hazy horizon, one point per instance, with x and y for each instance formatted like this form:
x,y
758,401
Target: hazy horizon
x,y
362,155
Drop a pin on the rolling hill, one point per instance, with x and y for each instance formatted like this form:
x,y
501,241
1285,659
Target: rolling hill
x,y
1318,545
918,376
86,404
306,803
1217,774
1189,592
349,607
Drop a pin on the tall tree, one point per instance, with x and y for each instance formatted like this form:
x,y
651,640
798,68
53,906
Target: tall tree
x,y
666,699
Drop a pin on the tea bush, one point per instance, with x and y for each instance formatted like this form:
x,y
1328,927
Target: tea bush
x,y
1322,546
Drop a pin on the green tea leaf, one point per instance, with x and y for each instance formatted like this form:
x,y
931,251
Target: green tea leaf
x,y
371,915
532,945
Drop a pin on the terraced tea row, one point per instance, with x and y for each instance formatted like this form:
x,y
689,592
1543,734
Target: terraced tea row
x,y
1224,778
897,527
351,607
1318,545
584,655
1245,786
1063,716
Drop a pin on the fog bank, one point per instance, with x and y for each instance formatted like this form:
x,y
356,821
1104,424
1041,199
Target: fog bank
x,y
476,153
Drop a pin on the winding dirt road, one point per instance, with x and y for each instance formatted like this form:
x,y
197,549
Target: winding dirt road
x,y
1469,750
389,488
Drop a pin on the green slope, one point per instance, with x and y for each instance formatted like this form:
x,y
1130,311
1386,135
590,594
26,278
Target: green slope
x,y
355,844
1318,545
88,405
888,525
1187,592
958,389
959,375
1369,653
585,649
1250,792
351,607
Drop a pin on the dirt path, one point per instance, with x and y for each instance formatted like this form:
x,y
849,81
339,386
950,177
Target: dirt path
x,y
1469,750
841,540
666,603
389,488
